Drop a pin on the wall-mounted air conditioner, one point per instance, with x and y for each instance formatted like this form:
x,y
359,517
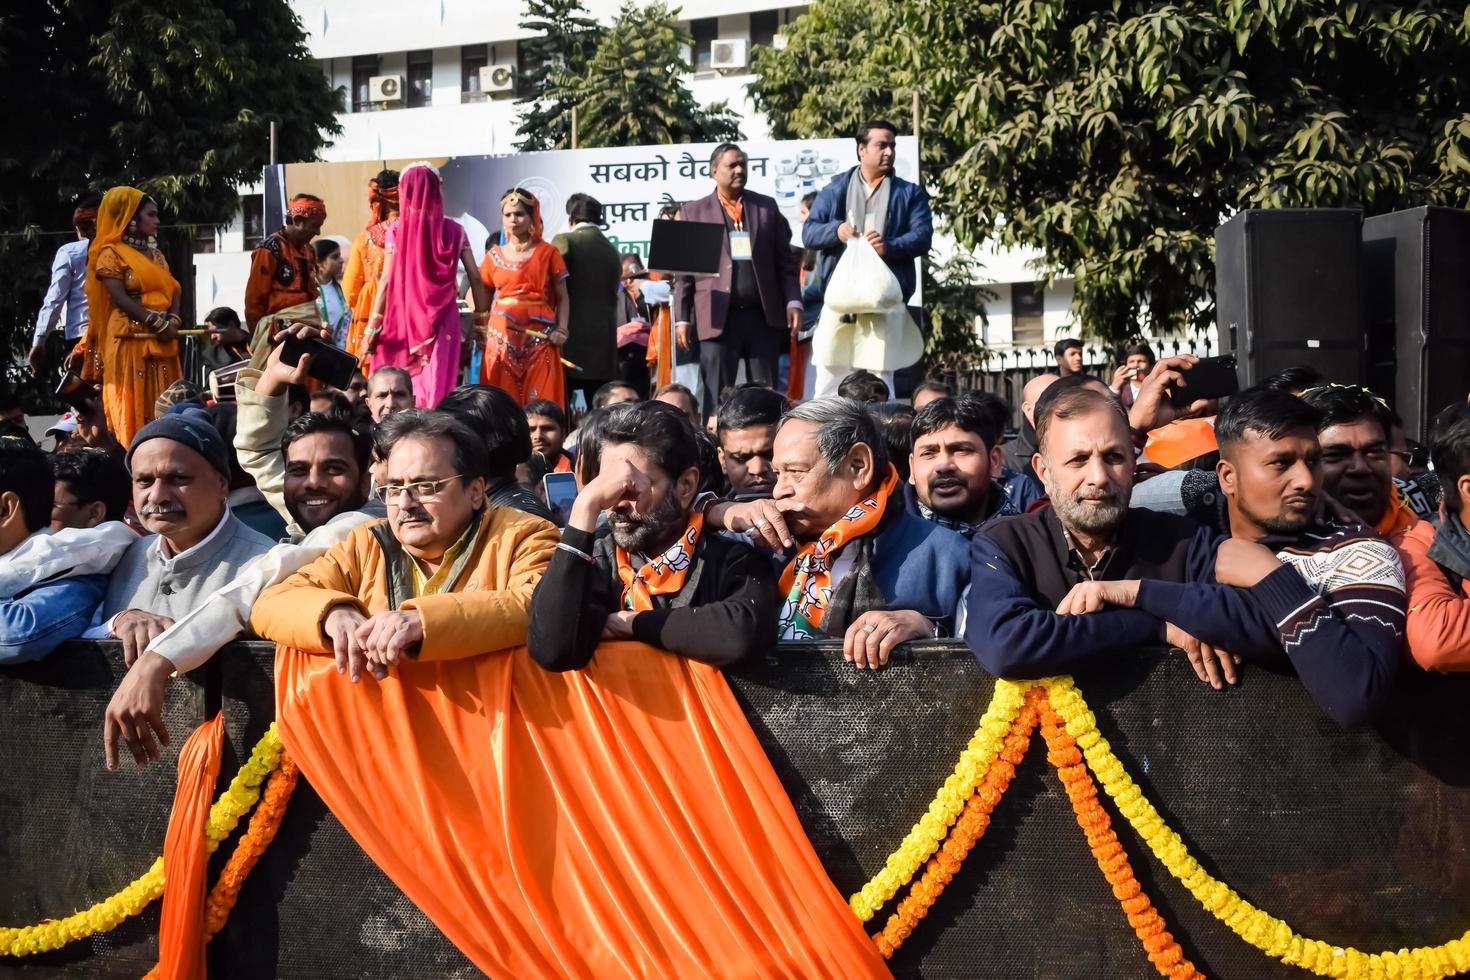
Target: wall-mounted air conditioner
x,y
727,52
498,79
385,88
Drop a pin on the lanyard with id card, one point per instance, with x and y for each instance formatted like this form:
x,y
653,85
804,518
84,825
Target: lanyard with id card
x,y
740,246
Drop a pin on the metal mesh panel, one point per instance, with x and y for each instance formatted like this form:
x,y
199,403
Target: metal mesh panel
x,y
1353,837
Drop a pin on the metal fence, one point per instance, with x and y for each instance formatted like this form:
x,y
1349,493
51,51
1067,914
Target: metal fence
x,y
1006,372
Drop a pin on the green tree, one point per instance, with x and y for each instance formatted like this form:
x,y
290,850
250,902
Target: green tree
x,y
953,301
173,97
1115,136
565,38
632,91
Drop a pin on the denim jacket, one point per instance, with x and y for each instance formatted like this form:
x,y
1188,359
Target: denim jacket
x,y
40,619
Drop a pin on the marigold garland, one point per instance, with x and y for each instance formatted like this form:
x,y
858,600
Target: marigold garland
x,y
107,914
1266,933
971,826
262,830
926,836
1163,950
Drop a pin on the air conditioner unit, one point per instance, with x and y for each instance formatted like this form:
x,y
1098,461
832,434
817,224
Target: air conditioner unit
x,y
497,79
385,88
727,52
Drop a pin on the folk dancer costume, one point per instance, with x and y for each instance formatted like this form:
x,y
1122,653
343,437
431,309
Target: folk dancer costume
x,y
130,362
525,299
365,264
282,283
420,331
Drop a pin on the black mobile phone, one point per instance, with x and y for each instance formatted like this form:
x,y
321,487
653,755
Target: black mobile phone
x,y
76,392
1212,377
560,490
329,365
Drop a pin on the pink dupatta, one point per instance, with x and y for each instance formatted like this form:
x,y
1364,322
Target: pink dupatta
x,y
426,250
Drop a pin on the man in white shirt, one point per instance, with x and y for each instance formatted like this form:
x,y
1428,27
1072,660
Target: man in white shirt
x,y
68,285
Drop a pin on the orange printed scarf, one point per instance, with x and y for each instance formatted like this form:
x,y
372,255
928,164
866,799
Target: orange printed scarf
x,y
663,575
807,580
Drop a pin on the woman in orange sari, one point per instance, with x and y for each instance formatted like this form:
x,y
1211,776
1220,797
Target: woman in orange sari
x,y
132,347
365,264
529,280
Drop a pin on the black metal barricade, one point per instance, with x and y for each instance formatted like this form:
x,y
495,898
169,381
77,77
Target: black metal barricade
x,y
1357,838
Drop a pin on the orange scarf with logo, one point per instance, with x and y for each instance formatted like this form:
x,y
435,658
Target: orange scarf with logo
x,y
807,580
663,575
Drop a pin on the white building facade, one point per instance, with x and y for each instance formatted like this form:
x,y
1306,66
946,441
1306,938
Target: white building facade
x,y
434,78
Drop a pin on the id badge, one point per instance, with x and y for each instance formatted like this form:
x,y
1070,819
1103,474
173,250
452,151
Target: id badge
x,y
740,246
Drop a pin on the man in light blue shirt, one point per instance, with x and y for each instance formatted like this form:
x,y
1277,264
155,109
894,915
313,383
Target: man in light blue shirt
x,y
68,286
37,613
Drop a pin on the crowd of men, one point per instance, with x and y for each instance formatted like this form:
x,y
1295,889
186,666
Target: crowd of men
x,y
853,517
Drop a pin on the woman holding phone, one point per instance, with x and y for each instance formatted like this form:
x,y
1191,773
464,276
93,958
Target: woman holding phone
x,y
415,320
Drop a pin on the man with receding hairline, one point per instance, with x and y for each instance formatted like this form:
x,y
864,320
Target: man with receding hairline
x,y
1037,582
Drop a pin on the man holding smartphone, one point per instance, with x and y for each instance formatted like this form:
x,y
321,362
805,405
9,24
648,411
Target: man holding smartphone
x,y
1138,361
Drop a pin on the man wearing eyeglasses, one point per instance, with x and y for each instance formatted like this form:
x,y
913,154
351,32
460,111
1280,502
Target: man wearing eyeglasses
x,y
447,576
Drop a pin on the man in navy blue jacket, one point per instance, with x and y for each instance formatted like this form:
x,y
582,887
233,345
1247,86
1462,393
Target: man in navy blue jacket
x,y
1023,617
871,201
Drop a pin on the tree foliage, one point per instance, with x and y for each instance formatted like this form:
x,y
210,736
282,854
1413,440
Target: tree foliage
x,y
632,90
953,301
173,97
1115,136
565,37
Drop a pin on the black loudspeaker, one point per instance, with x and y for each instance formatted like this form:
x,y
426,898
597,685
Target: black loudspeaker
x,y
1416,267
1288,291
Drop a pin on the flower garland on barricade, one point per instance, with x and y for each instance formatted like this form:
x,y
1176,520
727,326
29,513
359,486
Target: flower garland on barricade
x,y
264,823
1266,933
109,913
1163,950
926,836
970,827
1076,734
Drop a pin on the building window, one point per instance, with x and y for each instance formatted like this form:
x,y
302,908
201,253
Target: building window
x,y
763,25
420,78
252,219
1028,310
204,239
528,62
364,67
703,32
472,57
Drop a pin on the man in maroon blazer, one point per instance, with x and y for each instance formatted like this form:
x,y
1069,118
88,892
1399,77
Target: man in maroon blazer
x,y
754,304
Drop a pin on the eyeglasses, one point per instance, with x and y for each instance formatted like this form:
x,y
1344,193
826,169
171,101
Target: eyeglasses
x,y
427,490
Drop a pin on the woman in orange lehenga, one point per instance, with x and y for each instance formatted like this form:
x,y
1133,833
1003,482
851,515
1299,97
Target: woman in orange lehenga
x,y
365,264
529,279
132,336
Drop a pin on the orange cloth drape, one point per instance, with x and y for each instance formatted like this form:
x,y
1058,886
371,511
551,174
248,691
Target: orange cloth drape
x,y
1180,441
132,370
618,821
801,352
181,935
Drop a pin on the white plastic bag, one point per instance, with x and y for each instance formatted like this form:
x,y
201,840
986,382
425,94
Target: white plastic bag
x,y
861,282
885,341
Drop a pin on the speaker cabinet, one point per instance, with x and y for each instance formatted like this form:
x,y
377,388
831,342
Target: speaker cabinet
x,y
1416,268
1288,291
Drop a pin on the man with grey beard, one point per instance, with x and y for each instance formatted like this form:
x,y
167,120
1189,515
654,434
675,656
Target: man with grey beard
x,y
181,480
1034,609
655,574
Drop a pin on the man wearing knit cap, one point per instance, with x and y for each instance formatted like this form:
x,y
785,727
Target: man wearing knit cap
x,y
181,479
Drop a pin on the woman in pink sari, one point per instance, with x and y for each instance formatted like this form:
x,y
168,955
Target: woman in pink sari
x,y
415,320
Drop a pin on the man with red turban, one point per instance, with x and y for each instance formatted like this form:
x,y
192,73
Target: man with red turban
x,y
282,283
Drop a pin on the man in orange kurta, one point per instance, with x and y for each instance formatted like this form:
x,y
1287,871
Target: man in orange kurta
x,y
282,279
616,821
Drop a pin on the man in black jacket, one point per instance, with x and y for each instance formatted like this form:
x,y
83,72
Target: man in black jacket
x,y
655,575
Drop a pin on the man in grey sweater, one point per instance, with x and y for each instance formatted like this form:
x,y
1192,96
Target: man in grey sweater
x,y
180,469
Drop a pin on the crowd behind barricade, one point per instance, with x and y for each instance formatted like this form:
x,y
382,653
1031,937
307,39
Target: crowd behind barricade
x,y
573,491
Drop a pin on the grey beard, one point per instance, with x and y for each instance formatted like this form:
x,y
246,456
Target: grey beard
x,y
1088,520
636,534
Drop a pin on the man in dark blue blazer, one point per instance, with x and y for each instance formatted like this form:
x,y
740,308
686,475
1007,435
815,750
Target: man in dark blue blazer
x,y
871,201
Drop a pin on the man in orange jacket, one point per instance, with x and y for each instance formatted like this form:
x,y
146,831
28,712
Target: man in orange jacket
x,y
446,576
1436,556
